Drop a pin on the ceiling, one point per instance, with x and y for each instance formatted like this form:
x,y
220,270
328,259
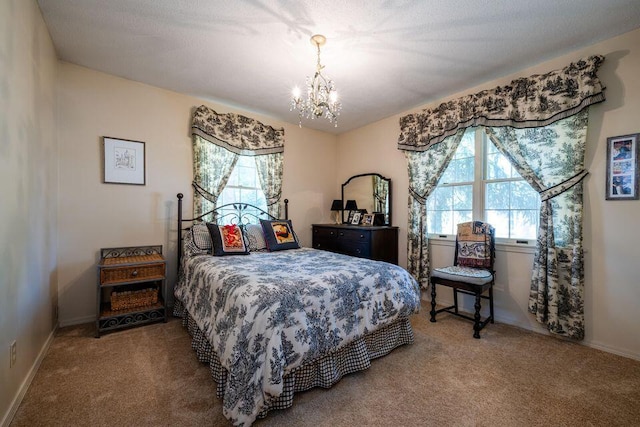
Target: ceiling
x,y
385,56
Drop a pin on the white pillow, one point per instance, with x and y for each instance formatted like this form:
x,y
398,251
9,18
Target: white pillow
x,y
255,237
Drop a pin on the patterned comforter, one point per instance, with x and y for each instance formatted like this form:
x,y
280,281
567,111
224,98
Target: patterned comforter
x,y
269,312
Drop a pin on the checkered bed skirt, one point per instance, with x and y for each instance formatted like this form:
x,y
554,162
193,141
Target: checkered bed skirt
x,y
324,372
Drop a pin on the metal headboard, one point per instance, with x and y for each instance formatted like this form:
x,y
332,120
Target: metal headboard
x,y
240,213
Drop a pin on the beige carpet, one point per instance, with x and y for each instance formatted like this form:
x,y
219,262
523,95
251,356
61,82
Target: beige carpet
x,y
150,376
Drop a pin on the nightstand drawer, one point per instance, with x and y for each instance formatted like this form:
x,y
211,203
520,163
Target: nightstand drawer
x,y
131,273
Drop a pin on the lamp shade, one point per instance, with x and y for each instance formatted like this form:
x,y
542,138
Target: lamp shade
x,y
351,205
336,205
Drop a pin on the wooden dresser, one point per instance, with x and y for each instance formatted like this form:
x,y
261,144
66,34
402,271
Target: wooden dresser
x,y
373,242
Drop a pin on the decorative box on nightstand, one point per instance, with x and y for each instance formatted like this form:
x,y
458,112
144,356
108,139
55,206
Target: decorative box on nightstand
x,y
131,287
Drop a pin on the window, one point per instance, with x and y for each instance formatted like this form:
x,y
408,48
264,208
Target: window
x,y
481,183
243,187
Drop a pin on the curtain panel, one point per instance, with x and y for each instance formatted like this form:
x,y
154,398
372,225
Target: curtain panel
x,y
218,140
425,169
526,102
551,160
539,123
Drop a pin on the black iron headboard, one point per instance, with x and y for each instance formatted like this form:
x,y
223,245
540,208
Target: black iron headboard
x,y
233,213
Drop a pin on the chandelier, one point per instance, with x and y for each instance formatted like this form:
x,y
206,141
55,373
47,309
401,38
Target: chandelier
x,y
322,98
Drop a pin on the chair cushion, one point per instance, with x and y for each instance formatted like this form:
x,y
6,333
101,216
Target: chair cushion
x,y
475,276
474,244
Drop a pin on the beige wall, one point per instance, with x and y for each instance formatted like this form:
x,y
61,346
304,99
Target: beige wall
x,y
612,291
28,193
93,215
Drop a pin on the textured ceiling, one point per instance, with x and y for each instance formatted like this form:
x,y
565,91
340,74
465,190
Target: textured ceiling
x,y
384,56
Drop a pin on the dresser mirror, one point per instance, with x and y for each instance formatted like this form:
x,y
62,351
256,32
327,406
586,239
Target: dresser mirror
x,y
371,191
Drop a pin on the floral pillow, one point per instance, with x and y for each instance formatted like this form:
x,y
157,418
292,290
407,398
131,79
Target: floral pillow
x,y
227,240
255,237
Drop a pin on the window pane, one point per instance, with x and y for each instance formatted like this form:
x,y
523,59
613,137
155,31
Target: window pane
x,y
497,195
523,196
460,216
467,145
461,167
462,197
246,176
500,221
443,198
495,168
524,223
440,222
498,166
464,170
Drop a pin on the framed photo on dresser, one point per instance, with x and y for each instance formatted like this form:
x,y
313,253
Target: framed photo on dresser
x,y
356,218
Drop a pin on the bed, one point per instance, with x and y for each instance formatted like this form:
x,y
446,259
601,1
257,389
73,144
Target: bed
x,y
273,323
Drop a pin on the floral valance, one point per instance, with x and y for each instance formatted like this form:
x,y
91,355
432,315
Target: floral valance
x,y
534,101
239,134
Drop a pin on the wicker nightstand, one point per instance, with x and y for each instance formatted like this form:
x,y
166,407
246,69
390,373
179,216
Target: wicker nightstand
x,y
131,287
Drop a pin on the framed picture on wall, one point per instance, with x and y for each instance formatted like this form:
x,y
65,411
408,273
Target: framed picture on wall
x,y
622,167
123,161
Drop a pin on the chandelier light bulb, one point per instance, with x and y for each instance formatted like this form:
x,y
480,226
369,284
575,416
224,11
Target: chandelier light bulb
x,y
322,97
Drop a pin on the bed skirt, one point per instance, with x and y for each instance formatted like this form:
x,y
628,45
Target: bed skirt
x,y
324,372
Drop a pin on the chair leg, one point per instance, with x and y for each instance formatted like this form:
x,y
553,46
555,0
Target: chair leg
x,y
433,302
491,302
476,317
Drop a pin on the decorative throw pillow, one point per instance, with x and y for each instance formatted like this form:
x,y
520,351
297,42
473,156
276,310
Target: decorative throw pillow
x,y
474,244
279,235
255,237
200,239
227,240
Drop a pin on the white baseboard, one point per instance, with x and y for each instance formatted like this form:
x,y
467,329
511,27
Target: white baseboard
x,y
540,329
8,417
77,321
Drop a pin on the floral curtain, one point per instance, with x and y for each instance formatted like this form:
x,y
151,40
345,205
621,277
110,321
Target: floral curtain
x,y
526,102
425,169
212,166
551,160
218,140
550,157
270,174
380,194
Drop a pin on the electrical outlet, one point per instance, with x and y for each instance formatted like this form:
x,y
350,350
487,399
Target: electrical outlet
x,y
13,354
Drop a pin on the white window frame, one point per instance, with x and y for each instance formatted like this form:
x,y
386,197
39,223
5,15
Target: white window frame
x,y
478,185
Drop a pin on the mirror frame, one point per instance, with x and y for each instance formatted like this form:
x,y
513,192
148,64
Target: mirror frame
x,y
369,174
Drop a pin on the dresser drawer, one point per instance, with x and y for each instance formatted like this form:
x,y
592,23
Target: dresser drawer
x,y
359,249
110,275
354,236
374,242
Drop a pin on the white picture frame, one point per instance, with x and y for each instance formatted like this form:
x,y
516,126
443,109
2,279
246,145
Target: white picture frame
x,y
124,161
356,218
